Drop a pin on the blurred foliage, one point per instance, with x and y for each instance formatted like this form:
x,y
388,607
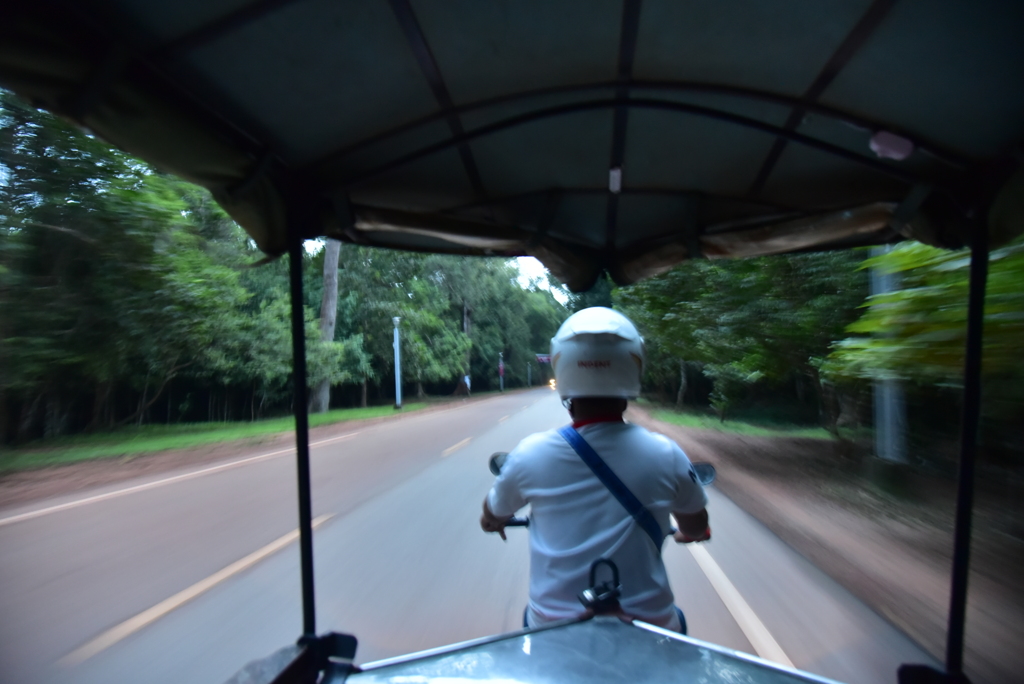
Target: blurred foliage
x,y
747,321
918,334
129,296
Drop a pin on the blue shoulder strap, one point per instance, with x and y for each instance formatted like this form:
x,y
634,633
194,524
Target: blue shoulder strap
x,y
610,480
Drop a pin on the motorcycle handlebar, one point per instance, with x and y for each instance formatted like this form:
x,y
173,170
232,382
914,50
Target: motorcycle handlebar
x,y
525,522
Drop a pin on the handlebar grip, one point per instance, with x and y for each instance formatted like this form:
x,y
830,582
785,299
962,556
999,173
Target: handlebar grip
x,y
517,522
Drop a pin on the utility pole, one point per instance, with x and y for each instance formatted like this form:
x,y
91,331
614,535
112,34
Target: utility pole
x,y
398,366
501,371
529,375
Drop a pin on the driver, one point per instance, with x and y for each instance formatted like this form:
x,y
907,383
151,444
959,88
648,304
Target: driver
x,y
597,357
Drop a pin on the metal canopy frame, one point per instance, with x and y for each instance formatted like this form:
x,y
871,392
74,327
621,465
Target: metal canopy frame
x,y
621,105
325,174
949,158
854,40
630,26
432,72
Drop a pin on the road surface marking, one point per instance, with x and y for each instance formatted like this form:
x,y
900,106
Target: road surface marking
x,y
455,447
751,626
503,419
160,483
146,617
187,476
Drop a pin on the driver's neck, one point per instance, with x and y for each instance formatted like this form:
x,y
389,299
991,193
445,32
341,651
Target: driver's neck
x,y
596,410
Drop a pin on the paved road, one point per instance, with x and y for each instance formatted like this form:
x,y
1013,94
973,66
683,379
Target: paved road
x,y
124,587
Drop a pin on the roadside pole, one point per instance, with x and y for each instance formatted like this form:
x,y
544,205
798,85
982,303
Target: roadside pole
x,y
501,371
398,366
889,403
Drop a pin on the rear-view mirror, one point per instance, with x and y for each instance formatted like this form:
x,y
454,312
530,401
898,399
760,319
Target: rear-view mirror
x,y
497,461
705,473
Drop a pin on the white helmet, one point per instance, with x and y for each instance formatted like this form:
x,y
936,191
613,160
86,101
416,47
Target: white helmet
x,y
598,353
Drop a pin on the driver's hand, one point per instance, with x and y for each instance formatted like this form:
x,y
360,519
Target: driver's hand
x,y
489,524
683,538
492,523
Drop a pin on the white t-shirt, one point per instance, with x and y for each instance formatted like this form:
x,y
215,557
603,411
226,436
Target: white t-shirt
x,y
575,520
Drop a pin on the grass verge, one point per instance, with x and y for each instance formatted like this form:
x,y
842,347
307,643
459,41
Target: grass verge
x,y
739,427
135,441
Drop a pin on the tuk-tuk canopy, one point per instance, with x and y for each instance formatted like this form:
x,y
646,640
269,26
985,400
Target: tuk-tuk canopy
x,y
613,135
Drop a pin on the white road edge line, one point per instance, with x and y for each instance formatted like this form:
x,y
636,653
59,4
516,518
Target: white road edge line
x,y
455,447
503,419
177,478
146,617
160,483
751,626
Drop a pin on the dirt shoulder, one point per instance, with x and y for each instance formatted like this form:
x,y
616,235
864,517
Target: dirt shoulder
x,y
22,487
893,553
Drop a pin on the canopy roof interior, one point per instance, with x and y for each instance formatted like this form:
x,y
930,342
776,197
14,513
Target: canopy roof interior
x,y
623,135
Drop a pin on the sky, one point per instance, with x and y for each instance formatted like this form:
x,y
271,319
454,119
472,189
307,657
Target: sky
x,y
530,268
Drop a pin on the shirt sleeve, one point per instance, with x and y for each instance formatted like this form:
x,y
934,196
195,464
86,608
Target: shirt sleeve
x,y
690,495
506,496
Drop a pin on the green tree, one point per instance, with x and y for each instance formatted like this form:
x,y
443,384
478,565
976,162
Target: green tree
x,y
749,320
120,286
433,346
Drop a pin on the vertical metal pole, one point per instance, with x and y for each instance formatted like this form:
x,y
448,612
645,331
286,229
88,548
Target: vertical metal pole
x,y
398,366
968,447
889,404
302,436
529,375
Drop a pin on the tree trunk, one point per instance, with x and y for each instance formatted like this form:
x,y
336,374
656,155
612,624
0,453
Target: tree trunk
x,y
142,404
320,399
99,407
682,383
419,390
28,418
828,405
363,402
54,417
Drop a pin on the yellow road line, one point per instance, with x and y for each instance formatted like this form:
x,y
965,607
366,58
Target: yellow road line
x,y
146,617
455,447
751,626
160,483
